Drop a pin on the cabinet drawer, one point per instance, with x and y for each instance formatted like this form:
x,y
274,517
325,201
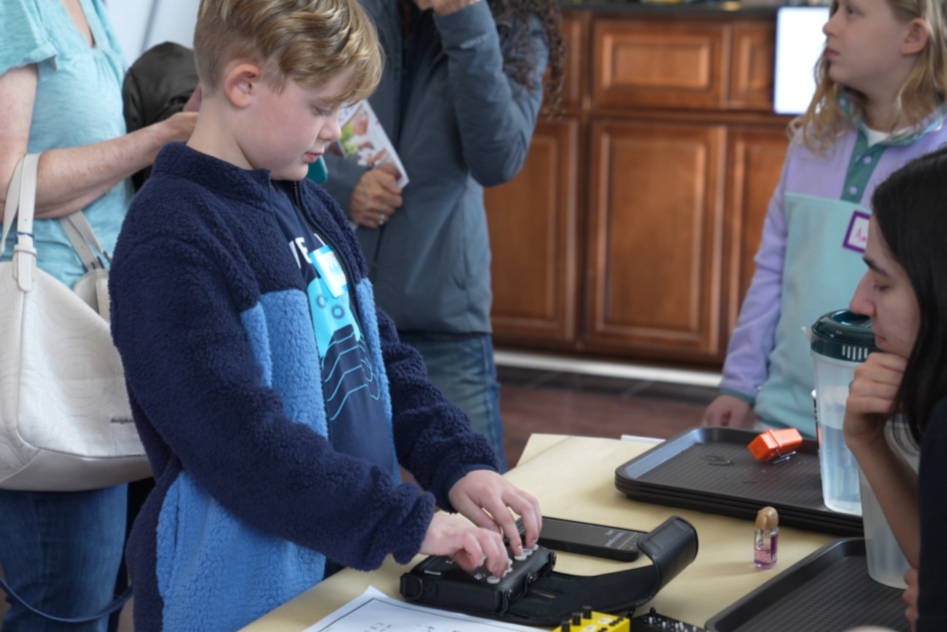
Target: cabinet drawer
x,y
647,63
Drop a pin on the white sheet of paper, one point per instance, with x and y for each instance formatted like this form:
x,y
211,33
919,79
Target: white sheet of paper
x,y
376,612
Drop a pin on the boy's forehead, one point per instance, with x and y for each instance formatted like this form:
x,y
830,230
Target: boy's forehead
x,y
331,90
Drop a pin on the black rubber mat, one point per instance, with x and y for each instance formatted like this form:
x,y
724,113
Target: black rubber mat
x,y
829,591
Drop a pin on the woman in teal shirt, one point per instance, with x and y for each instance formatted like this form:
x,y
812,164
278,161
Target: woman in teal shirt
x,y
61,72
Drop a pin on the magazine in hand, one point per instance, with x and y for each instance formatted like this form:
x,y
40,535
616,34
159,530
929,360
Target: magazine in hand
x,y
365,141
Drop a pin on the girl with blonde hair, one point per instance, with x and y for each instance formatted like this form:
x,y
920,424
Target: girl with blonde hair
x,y
879,103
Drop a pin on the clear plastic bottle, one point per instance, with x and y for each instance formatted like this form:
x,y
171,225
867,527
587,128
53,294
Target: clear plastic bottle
x,y
766,538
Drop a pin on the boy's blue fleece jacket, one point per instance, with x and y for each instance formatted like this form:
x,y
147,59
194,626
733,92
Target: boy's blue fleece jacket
x,y
212,321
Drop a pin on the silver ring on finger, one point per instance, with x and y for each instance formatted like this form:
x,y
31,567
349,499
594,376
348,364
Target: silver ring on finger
x,y
382,218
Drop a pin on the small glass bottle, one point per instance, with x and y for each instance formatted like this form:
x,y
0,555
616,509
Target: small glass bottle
x,y
767,535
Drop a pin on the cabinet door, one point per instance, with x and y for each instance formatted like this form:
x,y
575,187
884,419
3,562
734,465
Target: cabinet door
x,y
656,238
650,63
751,66
755,158
574,28
532,236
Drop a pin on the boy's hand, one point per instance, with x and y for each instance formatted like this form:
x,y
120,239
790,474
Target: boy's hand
x,y
375,197
467,544
870,400
910,597
486,498
728,410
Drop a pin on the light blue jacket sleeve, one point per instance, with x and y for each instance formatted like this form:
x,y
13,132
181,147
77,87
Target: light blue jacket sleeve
x,y
754,337
495,114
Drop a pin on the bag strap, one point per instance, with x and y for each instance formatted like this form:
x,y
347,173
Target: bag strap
x,y
104,612
21,200
80,233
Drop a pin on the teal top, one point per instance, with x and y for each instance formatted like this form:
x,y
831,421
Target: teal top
x,y
78,102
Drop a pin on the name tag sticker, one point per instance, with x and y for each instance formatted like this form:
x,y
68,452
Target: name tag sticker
x,y
857,236
330,270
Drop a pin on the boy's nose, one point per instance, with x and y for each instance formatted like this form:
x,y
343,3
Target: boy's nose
x,y
332,131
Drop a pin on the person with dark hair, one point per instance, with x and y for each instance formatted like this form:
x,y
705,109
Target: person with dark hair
x,y
462,89
905,294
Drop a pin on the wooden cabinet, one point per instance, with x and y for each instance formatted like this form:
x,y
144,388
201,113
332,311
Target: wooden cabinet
x,y
755,160
632,228
655,235
751,66
673,65
532,224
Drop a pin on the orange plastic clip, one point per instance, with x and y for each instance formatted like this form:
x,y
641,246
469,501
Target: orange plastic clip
x,y
775,443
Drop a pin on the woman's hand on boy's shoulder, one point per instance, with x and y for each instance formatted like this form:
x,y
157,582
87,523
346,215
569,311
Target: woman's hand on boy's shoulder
x,y
871,399
486,498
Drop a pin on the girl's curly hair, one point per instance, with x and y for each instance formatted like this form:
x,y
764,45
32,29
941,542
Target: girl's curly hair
x,y
512,18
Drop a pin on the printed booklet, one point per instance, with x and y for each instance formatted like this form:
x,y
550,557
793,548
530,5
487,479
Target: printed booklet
x,y
364,140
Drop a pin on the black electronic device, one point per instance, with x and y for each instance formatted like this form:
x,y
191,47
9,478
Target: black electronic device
x,y
441,579
532,593
584,538
654,622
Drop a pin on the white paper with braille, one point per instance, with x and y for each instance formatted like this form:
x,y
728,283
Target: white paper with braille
x,y
375,612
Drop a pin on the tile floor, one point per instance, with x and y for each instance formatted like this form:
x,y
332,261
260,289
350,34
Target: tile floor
x,y
563,403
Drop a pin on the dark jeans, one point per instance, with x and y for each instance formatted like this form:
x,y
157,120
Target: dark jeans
x,y
462,367
61,553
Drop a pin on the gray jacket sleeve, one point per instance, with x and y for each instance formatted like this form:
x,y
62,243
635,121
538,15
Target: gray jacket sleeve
x,y
344,174
495,114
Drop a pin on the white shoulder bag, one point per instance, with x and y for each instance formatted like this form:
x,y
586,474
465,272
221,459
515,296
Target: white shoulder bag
x,y
65,421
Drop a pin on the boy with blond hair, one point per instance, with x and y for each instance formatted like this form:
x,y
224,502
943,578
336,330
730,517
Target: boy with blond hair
x,y
274,400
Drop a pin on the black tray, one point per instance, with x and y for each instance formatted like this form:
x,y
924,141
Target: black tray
x,y
819,525
829,591
684,469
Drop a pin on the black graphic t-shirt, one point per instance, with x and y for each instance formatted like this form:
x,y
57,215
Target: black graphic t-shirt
x,y
354,410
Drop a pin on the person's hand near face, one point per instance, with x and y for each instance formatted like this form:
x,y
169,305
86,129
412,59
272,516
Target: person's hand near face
x,y
886,295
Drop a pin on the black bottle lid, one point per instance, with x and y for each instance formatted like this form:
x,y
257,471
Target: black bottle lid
x,y
843,335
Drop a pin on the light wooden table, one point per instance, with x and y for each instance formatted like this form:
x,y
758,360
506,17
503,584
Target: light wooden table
x,y
574,478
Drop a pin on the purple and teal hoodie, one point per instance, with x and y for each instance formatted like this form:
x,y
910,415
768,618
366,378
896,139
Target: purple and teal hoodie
x,y
211,317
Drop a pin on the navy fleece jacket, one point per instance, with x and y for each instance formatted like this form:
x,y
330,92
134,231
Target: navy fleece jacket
x,y
212,321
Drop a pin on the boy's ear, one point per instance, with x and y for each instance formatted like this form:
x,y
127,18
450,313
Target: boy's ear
x,y
242,82
916,38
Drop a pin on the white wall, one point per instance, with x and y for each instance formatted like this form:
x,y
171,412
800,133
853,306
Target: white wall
x,y
140,24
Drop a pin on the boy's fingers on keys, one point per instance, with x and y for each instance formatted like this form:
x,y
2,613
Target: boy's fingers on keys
x,y
497,557
528,509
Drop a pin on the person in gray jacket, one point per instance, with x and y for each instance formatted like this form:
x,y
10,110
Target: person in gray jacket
x,y
462,89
